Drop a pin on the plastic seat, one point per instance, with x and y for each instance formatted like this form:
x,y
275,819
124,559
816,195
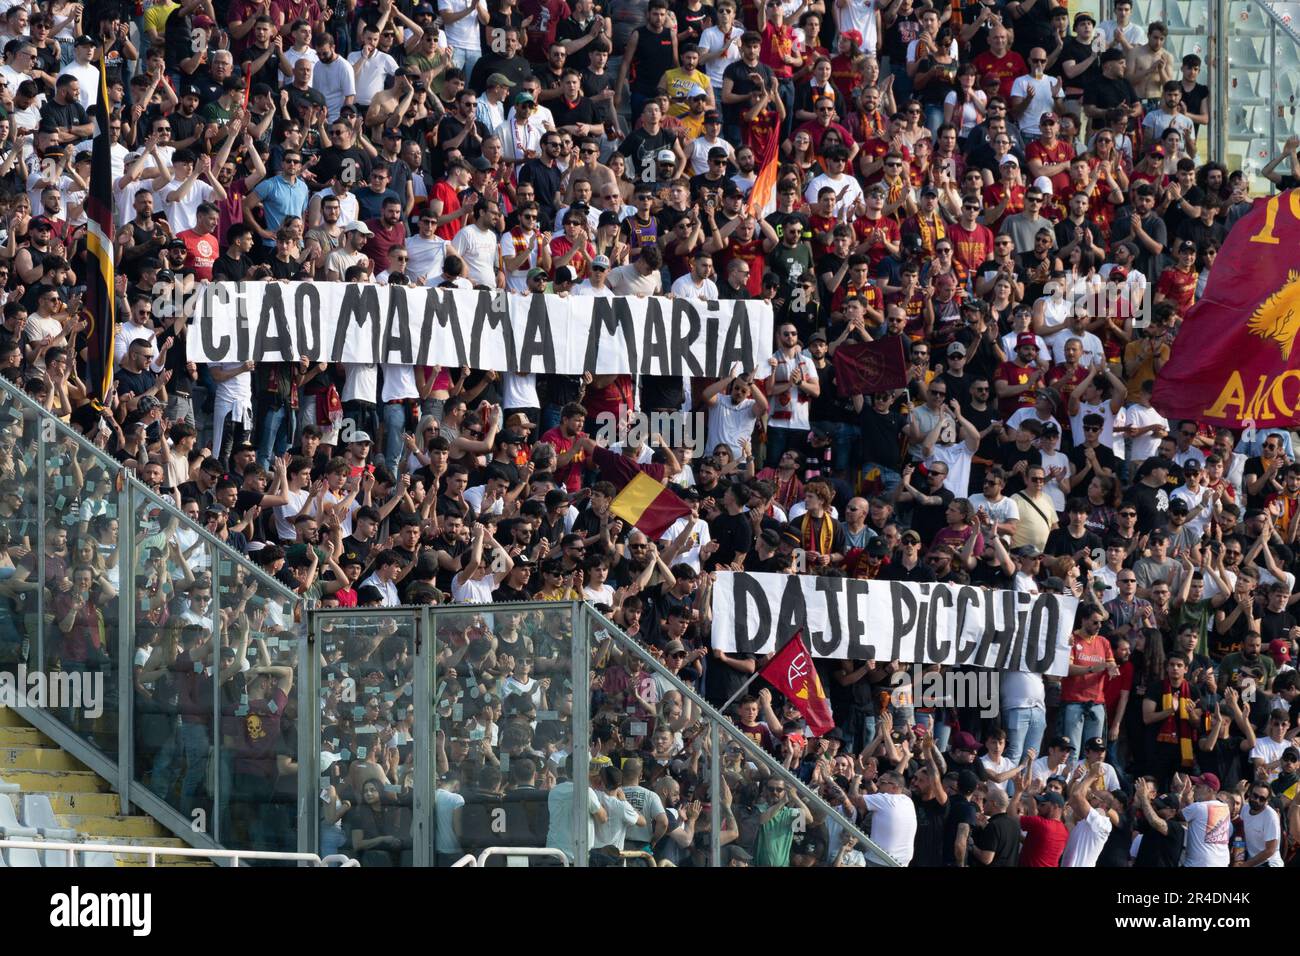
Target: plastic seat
x,y
1183,18
1247,19
39,815
1243,54
10,829
1244,89
98,860
1241,125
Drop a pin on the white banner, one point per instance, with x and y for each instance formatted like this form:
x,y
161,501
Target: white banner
x,y
547,334
846,618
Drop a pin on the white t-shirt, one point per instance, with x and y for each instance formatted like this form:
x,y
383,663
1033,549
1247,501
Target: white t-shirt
x,y
842,203
620,816
511,246
336,82
183,214
1041,94
478,247
711,40
686,288
370,80
1139,416
790,409
1194,498
464,33
1260,828
283,513
473,591
1107,426
427,256
957,456
1002,511
1001,765
1209,830
699,538
860,15
893,824
1268,750
700,146
586,288
88,81
1093,350
729,422
519,391
1086,840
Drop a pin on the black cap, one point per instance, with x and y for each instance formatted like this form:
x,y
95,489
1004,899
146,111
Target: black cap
x,y
1096,744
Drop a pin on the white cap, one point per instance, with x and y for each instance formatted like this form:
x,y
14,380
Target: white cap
x,y
695,91
358,226
666,156
1044,185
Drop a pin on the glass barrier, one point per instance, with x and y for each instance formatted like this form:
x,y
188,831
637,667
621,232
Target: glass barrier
x,y
368,744
643,709
109,589
503,719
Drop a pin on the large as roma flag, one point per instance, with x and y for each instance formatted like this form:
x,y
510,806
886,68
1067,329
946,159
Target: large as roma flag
x,y
791,671
648,505
98,307
865,367
1234,362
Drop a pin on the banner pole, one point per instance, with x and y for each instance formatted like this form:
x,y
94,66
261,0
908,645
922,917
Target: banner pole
x,y
743,687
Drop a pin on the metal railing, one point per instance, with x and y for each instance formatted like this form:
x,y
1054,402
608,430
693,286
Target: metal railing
x,y
73,850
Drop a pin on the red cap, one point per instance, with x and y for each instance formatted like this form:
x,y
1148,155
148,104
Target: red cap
x,y
1026,338
1209,780
854,35
1279,650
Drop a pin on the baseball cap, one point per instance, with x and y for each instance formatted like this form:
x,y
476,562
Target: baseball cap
x,y
666,156
1210,780
929,191
1027,551
1095,744
910,535
1052,798
817,337
1060,743
536,273
600,262
1010,160
499,79
674,647
876,547
713,116
1026,338
480,164
86,40
564,274
524,98
956,348
358,226
695,91
963,740
358,437
1279,650
1084,15
519,421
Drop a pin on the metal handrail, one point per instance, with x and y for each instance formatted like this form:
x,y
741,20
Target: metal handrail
x,y
726,727
153,852
1276,18
546,851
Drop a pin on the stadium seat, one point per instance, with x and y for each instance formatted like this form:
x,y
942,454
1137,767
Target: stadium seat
x,y
1240,123
1185,18
97,860
39,815
10,829
1244,88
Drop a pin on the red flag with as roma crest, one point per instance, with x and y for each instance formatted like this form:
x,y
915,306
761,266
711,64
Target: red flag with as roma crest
x,y
791,671
1234,362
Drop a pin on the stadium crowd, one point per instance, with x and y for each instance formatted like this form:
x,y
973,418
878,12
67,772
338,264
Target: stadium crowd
x,y
1021,197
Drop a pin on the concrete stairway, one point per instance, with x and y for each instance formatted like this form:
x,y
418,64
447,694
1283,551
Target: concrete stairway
x,y
82,800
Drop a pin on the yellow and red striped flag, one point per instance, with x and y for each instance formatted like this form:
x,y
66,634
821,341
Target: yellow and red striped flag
x,y
648,505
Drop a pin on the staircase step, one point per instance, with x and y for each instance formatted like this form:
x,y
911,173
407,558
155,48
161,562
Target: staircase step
x,y
94,826
23,737
37,758
63,781
97,804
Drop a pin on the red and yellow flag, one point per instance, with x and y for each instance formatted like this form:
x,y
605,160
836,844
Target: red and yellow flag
x,y
791,671
98,308
762,198
1234,362
648,505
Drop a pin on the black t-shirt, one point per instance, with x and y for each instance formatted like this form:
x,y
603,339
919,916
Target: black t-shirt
x,y
928,519
569,114
1253,469
1108,94
232,270
1074,51
1195,99
1152,506
1161,849
960,810
1060,542
654,57
1105,457
734,535
1008,457
642,149
269,73
571,29
742,84
896,571
1275,625
931,816
721,681
1002,836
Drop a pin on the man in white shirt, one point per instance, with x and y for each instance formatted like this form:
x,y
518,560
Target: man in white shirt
x,y
893,817
697,283
847,188
333,77
476,243
462,19
371,66
1034,94
1266,755
193,184
1094,818
1263,828
426,249
388,565
86,72
1209,822
595,283
719,48
734,407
